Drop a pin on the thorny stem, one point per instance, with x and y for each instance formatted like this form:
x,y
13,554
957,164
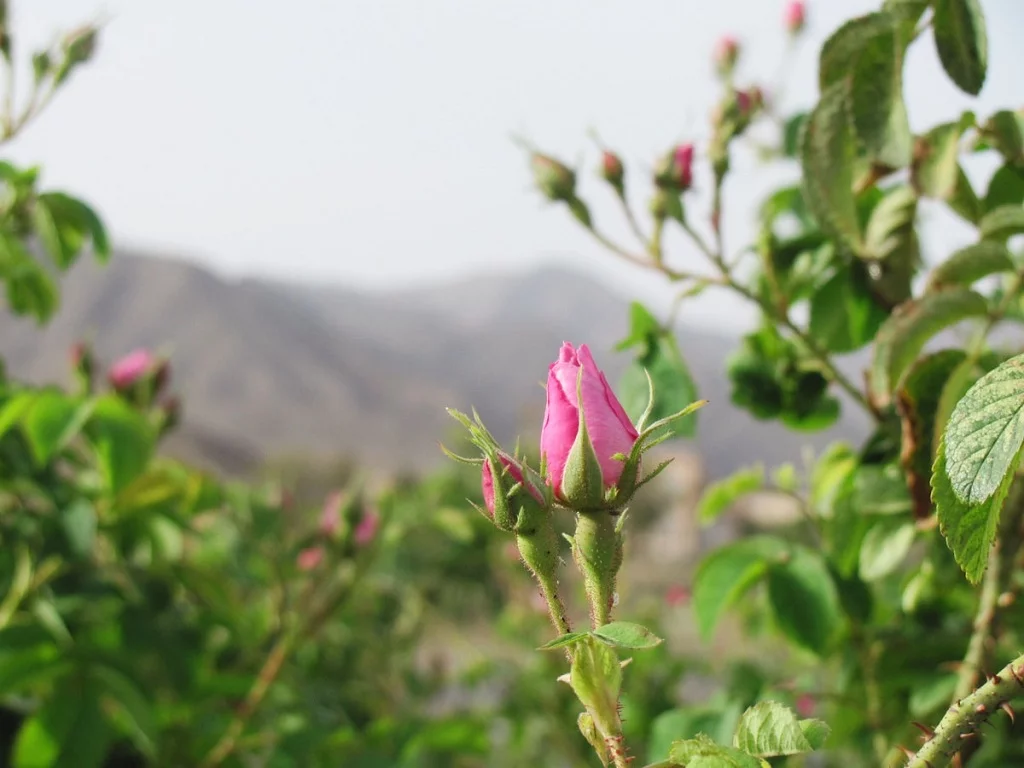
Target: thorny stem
x,y
997,575
964,718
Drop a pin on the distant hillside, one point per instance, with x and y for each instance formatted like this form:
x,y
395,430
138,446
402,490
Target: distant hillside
x,y
270,368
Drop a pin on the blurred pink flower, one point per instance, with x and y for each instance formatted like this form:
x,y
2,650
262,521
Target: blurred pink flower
x,y
130,368
330,517
727,51
366,531
310,558
609,428
676,595
805,704
684,165
795,16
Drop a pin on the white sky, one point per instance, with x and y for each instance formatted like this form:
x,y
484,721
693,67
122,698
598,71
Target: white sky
x,y
367,142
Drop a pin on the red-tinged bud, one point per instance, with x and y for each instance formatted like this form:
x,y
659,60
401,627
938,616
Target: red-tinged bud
x,y
80,45
556,181
612,170
310,558
727,53
675,170
330,515
677,595
84,362
805,705
796,17
366,530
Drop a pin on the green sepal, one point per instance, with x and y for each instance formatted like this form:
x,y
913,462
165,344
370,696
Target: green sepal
x,y
582,480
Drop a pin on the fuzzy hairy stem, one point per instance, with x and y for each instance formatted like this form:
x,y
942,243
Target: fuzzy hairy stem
x,y
962,721
596,544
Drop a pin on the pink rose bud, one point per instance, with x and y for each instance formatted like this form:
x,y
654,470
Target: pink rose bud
x,y
130,368
83,360
330,517
580,440
612,170
497,506
795,16
556,181
727,51
684,165
310,558
366,531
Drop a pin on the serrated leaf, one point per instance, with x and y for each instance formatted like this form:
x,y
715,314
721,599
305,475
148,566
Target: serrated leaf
x,y
962,43
969,529
771,729
727,573
624,634
722,494
804,600
971,264
1005,129
985,433
885,548
702,752
828,152
919,405
902,337
1002,222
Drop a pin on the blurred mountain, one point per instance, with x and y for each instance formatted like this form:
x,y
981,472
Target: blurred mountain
x,y
269,369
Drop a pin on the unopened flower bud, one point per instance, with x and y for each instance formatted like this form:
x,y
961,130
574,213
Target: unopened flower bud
x,y
556,181
366,530
41,64
795,17
130,369
83,361
497,484
675,170
727,52
80,45
612,171
330,515
310,558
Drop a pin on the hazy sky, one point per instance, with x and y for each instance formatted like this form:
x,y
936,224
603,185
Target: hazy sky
x,y
368,141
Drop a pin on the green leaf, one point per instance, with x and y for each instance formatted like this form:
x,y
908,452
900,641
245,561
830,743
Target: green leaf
x,y
23,669
919,403
68,731
876,94
791,134
570,638
891,246
702,752
969,529
828,154
674,388
936,167
722,494
985,433
596,677
804,600
686,723
134,709
12,410
962,43
844,314
642,325
1002,222
970,264
123,439
770,729
1005,129
885,547
79,523
902,337
52,421
64,225
727,573
1006,187
623,634
30,290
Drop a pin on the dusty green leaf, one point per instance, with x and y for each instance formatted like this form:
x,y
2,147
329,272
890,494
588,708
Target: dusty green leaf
x,y
962,43
970,264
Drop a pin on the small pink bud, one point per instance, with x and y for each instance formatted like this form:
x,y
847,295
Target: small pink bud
x,y
366,531
487,482
677,595
795,16
330,517
611,169
684,165
130,368
310,558
727,51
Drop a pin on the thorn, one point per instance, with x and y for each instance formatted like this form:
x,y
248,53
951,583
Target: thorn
x,y
958,760
1005,706
981,709
968,735
928,732
995,679
1016,672
909,754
